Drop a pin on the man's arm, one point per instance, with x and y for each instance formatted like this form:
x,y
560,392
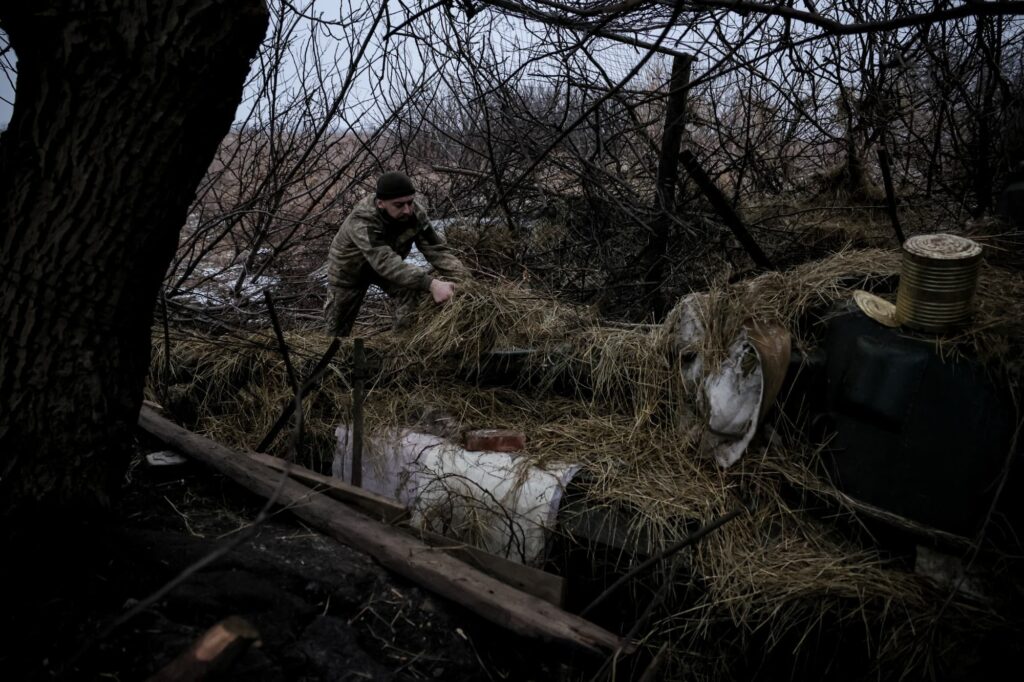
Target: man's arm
x,y
439,254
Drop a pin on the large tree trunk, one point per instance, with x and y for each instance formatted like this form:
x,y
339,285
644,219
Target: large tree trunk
x,y
119,109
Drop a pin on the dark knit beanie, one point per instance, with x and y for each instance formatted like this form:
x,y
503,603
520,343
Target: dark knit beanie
x,y
394,184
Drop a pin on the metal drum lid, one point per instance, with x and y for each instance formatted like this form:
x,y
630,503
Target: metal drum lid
x,y
942,247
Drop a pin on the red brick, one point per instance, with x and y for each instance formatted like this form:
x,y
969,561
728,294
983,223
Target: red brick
x,y
495,440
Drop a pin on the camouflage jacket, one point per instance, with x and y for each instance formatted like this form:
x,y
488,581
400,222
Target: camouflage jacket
x,y
366,249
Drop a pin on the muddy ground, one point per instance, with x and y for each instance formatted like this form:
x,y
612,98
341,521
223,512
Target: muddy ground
x,y
323,610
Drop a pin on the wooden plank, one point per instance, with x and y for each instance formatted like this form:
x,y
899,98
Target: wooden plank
x,y
541,584
375,505
439,572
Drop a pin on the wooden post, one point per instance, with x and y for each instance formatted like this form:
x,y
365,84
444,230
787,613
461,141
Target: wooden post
x,y
358,374
672,137
655,256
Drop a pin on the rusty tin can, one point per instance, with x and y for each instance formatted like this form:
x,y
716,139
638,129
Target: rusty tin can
x,y
938,278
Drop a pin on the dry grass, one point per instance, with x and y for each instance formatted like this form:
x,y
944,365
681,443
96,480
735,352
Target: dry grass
x,y
784,298
778,574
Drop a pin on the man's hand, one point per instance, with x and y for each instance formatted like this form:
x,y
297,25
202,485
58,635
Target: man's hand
x,y
441,290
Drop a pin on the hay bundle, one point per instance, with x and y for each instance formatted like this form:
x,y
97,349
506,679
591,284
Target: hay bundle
x,y
481,318
782,298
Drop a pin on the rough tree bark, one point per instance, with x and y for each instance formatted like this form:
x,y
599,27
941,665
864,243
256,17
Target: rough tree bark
x,y
119,108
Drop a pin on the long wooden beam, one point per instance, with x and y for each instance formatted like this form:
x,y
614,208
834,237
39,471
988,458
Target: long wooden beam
x,y
438,572
541,584
371,504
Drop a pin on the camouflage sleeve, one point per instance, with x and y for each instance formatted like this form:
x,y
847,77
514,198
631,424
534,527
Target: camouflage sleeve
x,y
439,254
369,239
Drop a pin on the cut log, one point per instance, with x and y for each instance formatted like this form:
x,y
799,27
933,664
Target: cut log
x,y
438,572
375,505
212,653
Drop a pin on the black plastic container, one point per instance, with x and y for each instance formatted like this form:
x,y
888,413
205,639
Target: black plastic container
x,y
920,435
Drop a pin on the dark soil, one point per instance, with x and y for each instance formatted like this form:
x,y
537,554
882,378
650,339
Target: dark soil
x,y
323,610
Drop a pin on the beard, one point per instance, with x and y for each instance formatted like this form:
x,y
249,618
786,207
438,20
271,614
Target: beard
x,y
403,220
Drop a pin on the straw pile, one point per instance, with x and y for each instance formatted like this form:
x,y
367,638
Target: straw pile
x,y
608,399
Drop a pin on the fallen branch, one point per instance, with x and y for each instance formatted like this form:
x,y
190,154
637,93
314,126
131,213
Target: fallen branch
x,y
438,572
724,209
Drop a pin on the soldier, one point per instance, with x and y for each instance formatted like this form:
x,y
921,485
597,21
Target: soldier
x,y
371,247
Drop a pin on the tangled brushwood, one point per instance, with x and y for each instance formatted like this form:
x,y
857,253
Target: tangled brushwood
x,y
610,399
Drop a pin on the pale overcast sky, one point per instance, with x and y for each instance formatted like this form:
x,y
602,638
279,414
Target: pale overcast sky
x,y
328,8
6,93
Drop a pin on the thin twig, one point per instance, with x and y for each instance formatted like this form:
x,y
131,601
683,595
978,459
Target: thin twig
x,y
293,379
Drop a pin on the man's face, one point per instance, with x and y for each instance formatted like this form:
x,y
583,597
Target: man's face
x,y
397,209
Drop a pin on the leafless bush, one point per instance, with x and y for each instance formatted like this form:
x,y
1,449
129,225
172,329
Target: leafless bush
x,y
535,130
